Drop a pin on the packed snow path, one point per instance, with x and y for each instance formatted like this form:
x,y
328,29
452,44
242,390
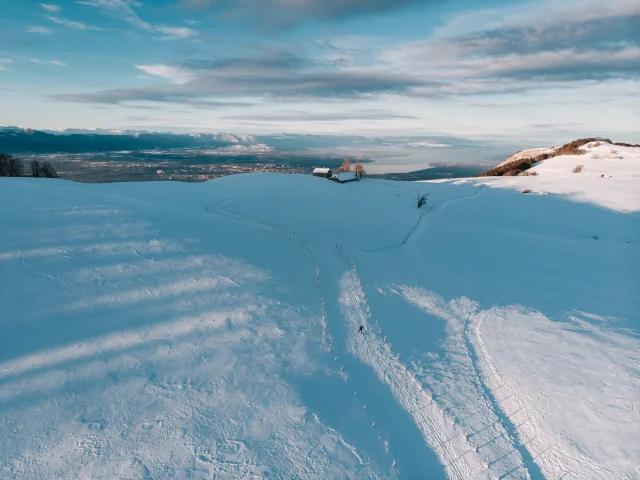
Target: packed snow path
x,y
149,337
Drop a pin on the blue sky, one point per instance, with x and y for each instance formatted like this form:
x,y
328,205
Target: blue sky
x,y
545,70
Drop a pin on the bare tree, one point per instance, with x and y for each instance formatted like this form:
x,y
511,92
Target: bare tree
x,y
346,166
4,165
359,169
16,167
422,199
35,168
10,166
48,171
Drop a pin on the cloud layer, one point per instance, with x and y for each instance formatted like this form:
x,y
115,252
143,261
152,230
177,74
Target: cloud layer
x,y
293,62
288,12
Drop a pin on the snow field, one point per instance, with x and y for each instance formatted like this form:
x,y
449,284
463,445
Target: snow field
x,y
455,384
210,331
440,430
610,177
153,374
566,388
583,422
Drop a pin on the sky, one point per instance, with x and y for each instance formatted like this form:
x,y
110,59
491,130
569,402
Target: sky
x,y
545,69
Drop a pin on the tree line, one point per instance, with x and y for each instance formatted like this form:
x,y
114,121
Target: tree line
x,y
11,166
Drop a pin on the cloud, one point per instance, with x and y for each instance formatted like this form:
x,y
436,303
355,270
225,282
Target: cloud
x,y
39,30
559,46
556,48
50,7
71,24
267,75
500,105
305,116
605,33
176,32
175,75
119,9
289,12
3,62
157,94
563,65
225,84
48,62
122,10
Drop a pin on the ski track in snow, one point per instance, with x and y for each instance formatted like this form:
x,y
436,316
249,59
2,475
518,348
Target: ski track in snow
x,y
442,431
460,457
399,389
554,446
534,420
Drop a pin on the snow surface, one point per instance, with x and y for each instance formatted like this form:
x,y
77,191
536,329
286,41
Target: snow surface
x,y
531,152
343,177
610,177
170,330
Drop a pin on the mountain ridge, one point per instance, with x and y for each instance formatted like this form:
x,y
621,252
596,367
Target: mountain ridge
x,y
525,159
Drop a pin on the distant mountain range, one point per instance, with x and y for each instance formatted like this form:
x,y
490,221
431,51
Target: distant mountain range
x,y
17,140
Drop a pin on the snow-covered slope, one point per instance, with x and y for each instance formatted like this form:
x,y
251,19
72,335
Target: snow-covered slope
x,y
531,152
610,177
168,330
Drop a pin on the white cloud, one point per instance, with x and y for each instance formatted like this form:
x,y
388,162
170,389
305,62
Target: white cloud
x,y
71,24
40,30
175,75
119,9
48,62
3,62
535,14
50,7
176,32
122,10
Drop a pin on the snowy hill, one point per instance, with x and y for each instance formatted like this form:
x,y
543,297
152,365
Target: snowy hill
x,y
521,161
606,175
171,330
531,152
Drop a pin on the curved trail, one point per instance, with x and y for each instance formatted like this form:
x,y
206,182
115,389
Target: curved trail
x,y
472,327
447,440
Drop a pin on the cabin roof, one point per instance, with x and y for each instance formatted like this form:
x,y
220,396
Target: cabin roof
x,y
344,177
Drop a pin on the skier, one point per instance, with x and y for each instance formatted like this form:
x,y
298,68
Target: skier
x,y
361,329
